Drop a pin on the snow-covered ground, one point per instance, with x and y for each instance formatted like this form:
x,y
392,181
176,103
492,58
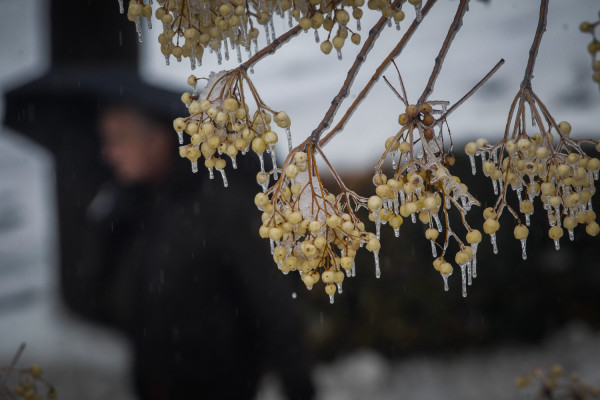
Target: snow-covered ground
x,y
477,375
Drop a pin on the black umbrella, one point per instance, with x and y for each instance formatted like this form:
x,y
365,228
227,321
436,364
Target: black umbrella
x,y
94,64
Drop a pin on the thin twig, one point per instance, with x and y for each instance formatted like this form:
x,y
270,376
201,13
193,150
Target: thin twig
x,y
393,54
402,99
401,82
352,72
270,49
11,367
541,28
439,60
470,92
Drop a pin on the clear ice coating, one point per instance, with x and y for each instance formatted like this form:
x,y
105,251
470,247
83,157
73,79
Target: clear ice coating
x,y
272,26
378,225
294,295
274,162
463,274
353,269
211,175
239,53
433,249
397,232
195,166
339,288
317,40
226,50
331,299
377,267
474,260
438,223
262,163
272,243
524,248
180,136
339,54
121,9
225,183
267,36
289,138
473,167
138,28
445,278
418,13
557,245
494,243
571,235
527,219
469,273
358,24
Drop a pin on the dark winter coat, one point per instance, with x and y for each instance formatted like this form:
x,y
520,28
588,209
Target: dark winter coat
x,y
182,270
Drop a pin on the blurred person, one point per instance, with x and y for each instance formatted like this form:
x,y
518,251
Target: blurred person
x,y
147,247
174,260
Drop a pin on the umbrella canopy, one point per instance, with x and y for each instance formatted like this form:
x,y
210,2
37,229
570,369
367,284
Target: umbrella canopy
x,y
94,64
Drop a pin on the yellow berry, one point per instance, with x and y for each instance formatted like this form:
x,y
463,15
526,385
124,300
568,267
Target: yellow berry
x,y
585,27
526,207
375,203
521,232
564,127
446,268
474,237
330,289
431,234
396,221
258,145
471,148
373,245
314,226
461,258
491,226
555,232
592,229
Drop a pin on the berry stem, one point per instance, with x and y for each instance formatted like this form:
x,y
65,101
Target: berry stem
x,y
472,91
12,366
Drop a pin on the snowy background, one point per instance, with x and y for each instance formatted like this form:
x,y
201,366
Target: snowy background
x,y
85,362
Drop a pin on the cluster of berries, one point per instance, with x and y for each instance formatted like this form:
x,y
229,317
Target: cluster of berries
x,y
30,381
191,26
311,230
593,47
555,169
220,124
422,186
554,383
335,19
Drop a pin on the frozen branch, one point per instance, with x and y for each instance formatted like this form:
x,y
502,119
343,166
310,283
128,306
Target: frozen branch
x,y
439,60
393,54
